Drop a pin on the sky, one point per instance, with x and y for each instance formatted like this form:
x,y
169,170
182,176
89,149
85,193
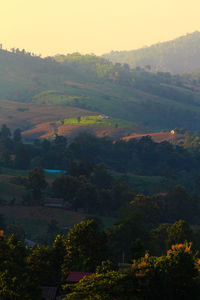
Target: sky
x,y
50,27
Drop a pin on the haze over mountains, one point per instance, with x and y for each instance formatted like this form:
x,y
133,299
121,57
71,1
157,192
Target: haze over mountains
x,y
76,85
177,56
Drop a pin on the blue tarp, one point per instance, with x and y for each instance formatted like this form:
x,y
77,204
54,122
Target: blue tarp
x,y
54,171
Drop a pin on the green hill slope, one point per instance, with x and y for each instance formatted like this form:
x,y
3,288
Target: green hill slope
x,y
176,56
154,100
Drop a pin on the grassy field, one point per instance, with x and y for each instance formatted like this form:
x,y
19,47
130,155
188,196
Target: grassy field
x,y
35,220
145,184
13,172
9,191
148,184
98,121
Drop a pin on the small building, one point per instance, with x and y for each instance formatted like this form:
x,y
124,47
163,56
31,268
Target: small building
x,y
54,171
49,292
103,116
54,202
75,277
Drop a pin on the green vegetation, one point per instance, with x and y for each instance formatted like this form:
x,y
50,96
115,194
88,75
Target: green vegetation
x,y
154,100
98,121
54,97
173,273
9,191
177,56
35,220
116,202
13,172
145,184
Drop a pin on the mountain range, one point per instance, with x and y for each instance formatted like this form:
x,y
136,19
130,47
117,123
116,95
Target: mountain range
x,y
81,86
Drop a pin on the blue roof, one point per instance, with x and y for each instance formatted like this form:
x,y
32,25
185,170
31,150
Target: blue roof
x,y
54,171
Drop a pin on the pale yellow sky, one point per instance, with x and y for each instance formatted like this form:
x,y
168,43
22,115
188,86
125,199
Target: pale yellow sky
x,y
94,26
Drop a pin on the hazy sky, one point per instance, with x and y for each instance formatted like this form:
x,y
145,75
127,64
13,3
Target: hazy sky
x,y
94,26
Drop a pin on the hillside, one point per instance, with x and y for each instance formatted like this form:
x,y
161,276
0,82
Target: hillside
x,y
28,115
177,56
43,91
70,127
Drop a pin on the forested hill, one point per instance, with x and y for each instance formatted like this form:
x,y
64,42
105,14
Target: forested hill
x,y
154,100
177,56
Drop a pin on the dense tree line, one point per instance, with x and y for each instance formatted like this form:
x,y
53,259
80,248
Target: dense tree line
x,y
140,156
87,248
92,166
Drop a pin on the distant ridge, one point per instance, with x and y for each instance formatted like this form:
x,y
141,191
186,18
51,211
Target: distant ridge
x,y
176,56
35,93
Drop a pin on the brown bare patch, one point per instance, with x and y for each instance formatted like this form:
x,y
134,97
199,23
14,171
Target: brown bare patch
x,y
157,137
12,114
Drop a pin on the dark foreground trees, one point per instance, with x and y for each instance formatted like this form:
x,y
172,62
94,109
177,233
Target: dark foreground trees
x,y
85,247
16,279
174,276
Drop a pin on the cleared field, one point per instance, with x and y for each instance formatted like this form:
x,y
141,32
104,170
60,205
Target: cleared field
x,y
9,191
48,130
29,115
157,137
100,131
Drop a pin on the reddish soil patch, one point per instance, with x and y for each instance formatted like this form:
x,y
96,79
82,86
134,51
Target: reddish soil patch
x,y
157,137
44,130
100,131
21,115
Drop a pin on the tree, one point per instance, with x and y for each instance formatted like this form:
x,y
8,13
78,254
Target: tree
x,y
160,239
179,205
101,177
5,132
65,186
179,232
52,230
37,183
60,142
104,286
2,222
22,156
40,263
85,247
125,231
17,230
45,262
86,196
17,135
16,281
174,276
58,253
